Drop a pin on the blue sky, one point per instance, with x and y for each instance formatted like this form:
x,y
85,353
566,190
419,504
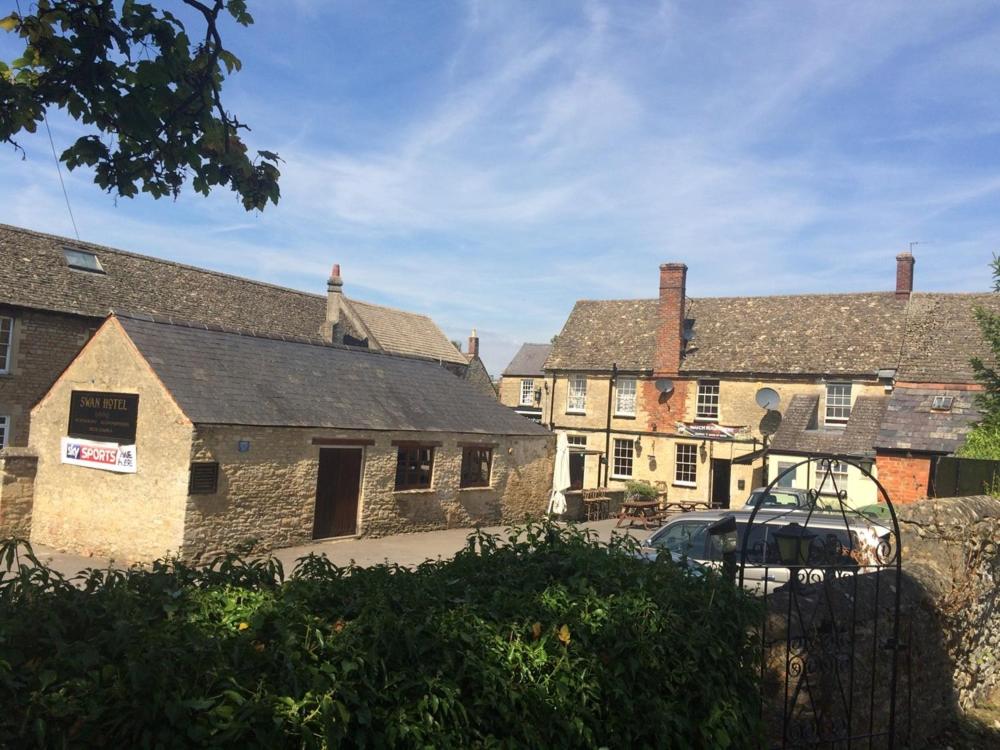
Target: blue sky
x,y
488,163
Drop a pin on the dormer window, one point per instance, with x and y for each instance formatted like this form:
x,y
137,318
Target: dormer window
x,y
838,403
942,403
81,260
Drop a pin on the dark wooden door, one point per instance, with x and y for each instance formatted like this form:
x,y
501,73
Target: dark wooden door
x,y
337,487
576,470
721,471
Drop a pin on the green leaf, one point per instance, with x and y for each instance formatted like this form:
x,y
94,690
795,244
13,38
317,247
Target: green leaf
x,y
10,23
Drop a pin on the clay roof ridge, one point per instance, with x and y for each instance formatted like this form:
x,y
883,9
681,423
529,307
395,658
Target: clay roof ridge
x,y
83,244
254,334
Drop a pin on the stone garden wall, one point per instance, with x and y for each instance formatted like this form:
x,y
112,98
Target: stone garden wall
x,y
17,483
948,645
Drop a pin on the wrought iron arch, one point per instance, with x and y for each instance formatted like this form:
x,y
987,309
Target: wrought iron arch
x,y
830,577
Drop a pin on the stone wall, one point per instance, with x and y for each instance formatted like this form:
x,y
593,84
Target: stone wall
x,y
128,517
905,477
44,344
267,494
17,488
949,629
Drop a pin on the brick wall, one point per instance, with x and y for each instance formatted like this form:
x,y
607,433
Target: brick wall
x,y
44,344
904,477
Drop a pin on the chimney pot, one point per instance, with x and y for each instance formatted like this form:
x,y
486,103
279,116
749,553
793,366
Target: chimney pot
x,y
334,296
904,275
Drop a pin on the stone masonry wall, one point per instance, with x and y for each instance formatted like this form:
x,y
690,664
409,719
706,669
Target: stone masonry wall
x,y
128,517
949,628
904,477
267,494
44,344
17,489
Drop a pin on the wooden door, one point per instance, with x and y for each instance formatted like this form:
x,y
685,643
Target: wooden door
x,y
576,463
721,473
337,488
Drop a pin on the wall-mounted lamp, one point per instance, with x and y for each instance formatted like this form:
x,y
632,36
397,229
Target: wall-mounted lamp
x,y
703,450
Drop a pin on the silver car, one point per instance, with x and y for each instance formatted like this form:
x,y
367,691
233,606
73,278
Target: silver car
x,y
687,537
781,497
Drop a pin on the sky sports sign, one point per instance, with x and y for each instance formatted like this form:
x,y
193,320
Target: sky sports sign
x,y
94,455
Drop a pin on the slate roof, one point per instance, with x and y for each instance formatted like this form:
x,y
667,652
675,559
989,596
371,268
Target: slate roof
x,y
792,334
800,432
222,377
599,333
910,423
942,335
529,360
34,274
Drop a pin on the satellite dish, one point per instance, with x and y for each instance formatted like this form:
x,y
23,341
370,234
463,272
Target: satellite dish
x,y
771,421
664,385
767,398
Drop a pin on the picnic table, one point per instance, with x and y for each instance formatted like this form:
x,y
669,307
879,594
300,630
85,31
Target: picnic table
x,y
685,506
645,512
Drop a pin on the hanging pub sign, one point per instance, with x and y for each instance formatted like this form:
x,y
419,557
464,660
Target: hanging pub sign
x,y
95,455
708,431
109,417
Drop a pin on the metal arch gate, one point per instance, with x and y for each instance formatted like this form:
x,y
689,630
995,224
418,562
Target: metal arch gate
x,y
831,584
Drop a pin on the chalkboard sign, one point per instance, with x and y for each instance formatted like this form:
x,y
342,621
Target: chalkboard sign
x,y
110,417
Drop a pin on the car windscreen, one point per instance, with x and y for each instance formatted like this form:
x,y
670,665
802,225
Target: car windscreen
x,y
683,538
774,499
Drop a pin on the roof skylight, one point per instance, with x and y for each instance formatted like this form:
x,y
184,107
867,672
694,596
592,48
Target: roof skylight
x,y
82,260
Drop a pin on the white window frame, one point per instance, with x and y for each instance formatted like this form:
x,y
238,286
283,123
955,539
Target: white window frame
x,y
685,470
625,397
623,458
788,480
837,411
576,395
576,441
4,431
8,345
707,408
86,266
527,392
839,473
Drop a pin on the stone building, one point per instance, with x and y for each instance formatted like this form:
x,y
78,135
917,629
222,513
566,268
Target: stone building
x,y
55,292
663,389
167,438
523,384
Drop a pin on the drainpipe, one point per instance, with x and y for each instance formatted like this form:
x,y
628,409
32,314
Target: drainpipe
x,y
607,429
552,404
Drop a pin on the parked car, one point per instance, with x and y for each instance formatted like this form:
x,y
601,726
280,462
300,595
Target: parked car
x,y
781,497
836,542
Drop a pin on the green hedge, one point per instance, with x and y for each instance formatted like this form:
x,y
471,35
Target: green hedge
x,y
544,639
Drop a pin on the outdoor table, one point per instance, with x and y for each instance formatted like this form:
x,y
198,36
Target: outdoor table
x,y
685,506
646,512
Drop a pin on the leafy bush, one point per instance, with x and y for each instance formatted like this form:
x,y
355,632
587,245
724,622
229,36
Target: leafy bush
x,y
545,639
982,441
635,490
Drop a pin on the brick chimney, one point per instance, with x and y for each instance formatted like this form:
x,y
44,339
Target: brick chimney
x,y
904,275
670,319
334,297
473,345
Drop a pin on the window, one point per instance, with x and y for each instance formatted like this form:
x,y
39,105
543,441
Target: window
x,y
6,343
942,403
204,478
476,463
686,464
4,431
577,441
683,539
786,480
831,477
527,392
624,452
576,396
81,260
414,465
838,402
708,399
625,397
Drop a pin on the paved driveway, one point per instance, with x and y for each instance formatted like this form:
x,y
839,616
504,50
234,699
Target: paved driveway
x,y
405,549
